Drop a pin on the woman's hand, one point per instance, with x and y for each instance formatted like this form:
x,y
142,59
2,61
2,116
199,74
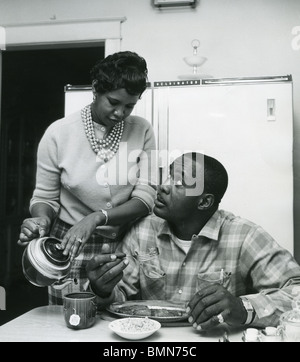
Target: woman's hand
x,y
33,228
213,304
78,234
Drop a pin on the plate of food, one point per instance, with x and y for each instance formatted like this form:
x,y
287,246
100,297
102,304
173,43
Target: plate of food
x,y
159,310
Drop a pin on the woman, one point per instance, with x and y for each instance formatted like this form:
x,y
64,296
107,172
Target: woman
x,y
94,173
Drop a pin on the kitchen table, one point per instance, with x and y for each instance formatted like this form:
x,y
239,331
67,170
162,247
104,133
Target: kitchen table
x,y
47,324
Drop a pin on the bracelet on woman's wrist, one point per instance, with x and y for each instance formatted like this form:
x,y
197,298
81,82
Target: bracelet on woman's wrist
x,y
104,212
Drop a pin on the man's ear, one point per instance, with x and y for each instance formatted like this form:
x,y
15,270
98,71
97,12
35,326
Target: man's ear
x,y
206,201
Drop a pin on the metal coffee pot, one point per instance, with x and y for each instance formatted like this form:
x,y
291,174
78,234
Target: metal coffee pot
x,y
44,263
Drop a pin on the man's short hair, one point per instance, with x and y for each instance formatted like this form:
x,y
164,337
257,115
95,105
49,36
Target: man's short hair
x,y
215,174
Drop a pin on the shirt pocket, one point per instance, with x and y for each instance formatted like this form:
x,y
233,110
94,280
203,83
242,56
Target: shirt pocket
x,y
152,278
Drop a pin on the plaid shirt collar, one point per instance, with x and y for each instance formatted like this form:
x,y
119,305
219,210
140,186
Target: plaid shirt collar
x,y
210,230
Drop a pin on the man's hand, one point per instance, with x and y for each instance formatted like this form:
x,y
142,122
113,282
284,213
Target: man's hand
x,y
105,271
212,305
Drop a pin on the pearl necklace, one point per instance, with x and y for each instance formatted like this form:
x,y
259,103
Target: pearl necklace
x,y
107,147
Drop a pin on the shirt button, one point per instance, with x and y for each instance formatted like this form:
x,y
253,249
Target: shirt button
x,y
108,204
114,235
180,291
105,184
183,264
102,129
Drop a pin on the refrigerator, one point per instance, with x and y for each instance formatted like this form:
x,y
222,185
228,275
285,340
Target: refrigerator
x,y
246,123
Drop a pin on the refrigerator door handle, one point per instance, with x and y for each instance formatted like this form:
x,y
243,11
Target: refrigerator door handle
x,y
247,80
161,128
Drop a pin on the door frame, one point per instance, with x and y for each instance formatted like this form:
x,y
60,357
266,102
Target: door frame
x,y
63,33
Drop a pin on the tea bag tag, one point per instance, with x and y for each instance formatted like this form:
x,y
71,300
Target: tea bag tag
x,y
74,319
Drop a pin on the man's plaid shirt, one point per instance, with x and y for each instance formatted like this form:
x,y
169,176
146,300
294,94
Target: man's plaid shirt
x,y
229,249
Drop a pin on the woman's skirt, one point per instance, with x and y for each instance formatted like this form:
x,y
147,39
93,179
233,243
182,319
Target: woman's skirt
x,y
77,279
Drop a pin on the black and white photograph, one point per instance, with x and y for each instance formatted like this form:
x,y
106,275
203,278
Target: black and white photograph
x,y
150,173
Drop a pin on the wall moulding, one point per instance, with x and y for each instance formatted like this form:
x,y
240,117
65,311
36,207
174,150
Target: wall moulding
x,y
63,31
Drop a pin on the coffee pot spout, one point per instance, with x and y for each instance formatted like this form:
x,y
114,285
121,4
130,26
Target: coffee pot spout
x,y
61,284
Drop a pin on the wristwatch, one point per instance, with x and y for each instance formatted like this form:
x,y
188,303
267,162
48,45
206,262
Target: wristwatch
x,y
249,309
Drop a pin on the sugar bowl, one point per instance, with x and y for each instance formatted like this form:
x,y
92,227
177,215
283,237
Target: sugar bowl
x,y
289,326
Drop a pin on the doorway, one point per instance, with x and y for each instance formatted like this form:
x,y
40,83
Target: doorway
x,y
33,82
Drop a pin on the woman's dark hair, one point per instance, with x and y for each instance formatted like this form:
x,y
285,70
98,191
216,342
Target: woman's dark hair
x,y
120,70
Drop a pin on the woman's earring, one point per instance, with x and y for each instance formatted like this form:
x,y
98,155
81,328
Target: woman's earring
x,y
94,97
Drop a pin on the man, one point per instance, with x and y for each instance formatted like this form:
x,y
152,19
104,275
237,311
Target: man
x,y
227,269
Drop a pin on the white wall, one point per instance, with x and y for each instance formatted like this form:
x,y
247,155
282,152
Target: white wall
x,y
239,38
